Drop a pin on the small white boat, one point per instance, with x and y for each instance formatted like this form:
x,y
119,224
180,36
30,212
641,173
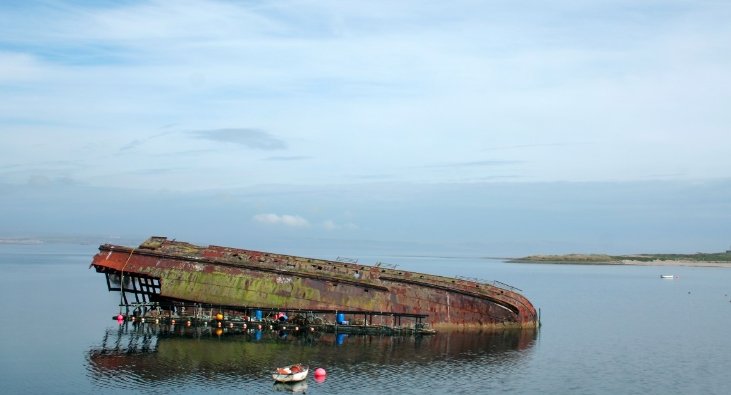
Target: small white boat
x,y
668,276
290,374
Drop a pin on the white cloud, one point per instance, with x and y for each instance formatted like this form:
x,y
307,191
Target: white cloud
x,y
296,221
287,220
16,67
397,89
251,138
332,225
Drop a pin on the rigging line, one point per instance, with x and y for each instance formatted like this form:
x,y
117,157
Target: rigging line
x,y
121,280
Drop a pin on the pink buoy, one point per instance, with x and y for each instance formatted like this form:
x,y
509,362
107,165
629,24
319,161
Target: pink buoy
x,y
320,375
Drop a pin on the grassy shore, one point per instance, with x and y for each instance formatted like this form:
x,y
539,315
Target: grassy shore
x,y
721,259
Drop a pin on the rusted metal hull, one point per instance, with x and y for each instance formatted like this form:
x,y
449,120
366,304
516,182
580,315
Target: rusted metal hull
x,y
225,276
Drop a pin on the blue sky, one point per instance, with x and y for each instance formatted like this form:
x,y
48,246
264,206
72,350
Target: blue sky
x,y
208,102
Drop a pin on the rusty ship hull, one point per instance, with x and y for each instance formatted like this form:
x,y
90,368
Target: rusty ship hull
x,y
168,270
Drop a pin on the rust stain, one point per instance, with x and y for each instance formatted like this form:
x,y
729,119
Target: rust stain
x,y
239,277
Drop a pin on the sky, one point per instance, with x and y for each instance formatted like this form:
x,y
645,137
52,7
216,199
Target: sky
x,y
481,127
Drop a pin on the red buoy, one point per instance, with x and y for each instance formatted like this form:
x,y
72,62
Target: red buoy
x,y
320,375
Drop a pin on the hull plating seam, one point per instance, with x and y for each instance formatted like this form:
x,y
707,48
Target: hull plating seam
x,y
457,291
252,267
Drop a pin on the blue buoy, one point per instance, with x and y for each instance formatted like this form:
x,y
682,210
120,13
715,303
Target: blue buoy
x,y
257,315
341,319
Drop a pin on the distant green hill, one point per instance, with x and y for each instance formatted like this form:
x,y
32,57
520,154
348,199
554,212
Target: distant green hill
x,y
618,259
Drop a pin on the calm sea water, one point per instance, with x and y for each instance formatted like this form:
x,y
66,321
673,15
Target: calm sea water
x,y
606,330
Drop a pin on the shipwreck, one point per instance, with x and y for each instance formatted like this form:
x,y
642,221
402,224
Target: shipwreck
x,y
168,274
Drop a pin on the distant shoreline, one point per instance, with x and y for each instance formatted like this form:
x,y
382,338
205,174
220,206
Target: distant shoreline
x,y
690,260
20,241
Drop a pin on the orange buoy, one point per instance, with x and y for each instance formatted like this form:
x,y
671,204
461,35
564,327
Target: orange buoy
x,y
219,317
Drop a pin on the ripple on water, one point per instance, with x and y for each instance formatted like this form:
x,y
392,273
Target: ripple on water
x,y
160,361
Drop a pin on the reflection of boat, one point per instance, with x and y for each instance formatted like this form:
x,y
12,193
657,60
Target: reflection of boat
x,y
299,387
290,374
668,276
149,356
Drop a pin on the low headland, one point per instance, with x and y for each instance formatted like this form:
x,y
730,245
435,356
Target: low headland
x,y
700,259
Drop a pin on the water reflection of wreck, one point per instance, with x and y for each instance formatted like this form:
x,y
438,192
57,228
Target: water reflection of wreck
x,y
150,354
165,273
